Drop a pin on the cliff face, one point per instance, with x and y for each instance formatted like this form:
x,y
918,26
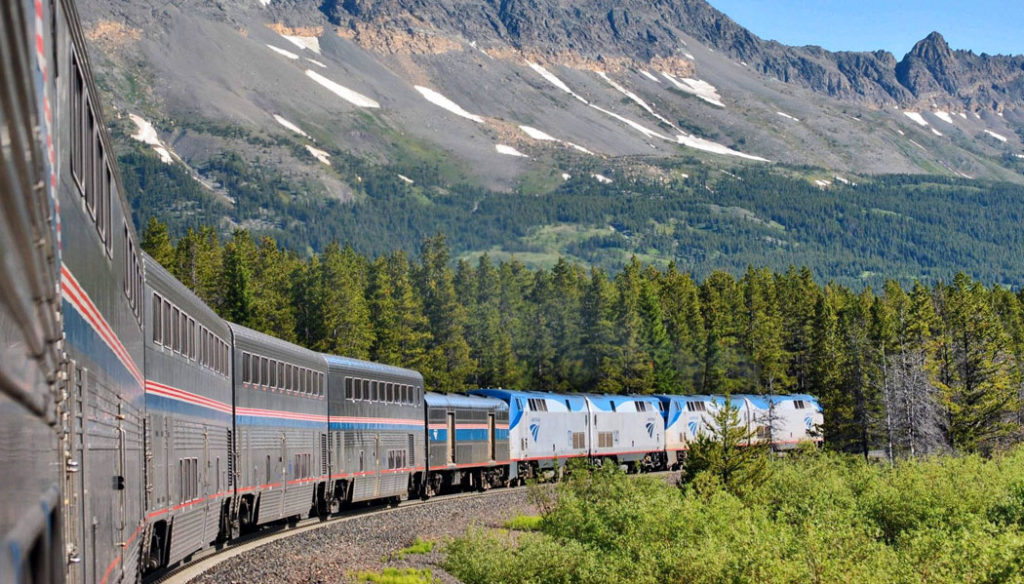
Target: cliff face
x,y
641,30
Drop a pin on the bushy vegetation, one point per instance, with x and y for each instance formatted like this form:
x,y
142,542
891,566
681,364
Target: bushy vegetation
x,y
905,371
816,517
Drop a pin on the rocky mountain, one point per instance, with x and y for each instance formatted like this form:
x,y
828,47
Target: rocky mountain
x,y
519,96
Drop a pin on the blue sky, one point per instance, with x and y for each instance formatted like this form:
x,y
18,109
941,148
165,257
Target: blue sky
x,y
983,26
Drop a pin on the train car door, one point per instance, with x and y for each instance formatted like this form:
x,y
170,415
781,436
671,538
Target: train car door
x,y
74,509
451,438
120,490
490,436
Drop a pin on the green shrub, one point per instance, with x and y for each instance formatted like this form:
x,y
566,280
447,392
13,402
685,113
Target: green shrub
x,y
418,546
396,576
524,523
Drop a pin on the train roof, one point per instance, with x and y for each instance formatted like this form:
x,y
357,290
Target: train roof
x,y
353,365
250,340
463,401
574,401
604,401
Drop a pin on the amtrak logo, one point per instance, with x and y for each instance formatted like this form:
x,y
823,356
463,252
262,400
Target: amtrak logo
x,y
693,428
534,431
650,429
809,422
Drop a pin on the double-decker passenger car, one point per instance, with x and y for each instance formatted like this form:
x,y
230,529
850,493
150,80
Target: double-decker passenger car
x,y
101,282
467,442
281,428
795,418
31,546
189,468
376,425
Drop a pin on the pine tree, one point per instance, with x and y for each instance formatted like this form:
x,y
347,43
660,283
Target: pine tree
x,y
157,243
237,279
974,368
400,329
729,454
599,334
448,364
680,299
725,368
763,333
272,310
198,263
347,327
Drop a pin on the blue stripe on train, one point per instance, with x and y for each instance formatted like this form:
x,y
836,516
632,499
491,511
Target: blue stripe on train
x,y
82,336
375,426
278,422
166,405
441,435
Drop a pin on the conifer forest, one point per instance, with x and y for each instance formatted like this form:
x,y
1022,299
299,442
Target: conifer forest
x,y
901,371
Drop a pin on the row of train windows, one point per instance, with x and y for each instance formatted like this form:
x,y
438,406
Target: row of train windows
x,y
274,374
696,407
92,170
380,391
303,468
398,459
188,477
174,329
539,405
798,404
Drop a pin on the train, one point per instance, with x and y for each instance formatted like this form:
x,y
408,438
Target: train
x,y
139,428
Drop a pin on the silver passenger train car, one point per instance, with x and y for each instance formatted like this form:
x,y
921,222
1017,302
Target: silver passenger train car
x,y
467,442
189,464
281,424
376,431
31,546
102,287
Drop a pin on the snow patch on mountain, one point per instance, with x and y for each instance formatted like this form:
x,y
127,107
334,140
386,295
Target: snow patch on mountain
x,y
999,137
319,155
697,87
944,116
554,80
290,126
147,135
445,103
917,118
280,51
304,42
787,116
509,151
353,97
636,98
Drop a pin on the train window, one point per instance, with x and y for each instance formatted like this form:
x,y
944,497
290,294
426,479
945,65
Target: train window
x,y
105,179
246,373
265,367
273,374
321,385
256,370
225,358
192,339
348,388
175,329
183,341
309,381
203,345
537,405
295,378
77,99
287,383
641,406
374,392
280,376
88,146
157,321
166,314
798,404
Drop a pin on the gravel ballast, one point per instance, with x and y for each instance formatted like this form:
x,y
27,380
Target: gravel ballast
x,y
336,552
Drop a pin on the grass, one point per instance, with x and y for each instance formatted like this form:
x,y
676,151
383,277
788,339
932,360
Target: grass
x,y
396,576
419,546
524,523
